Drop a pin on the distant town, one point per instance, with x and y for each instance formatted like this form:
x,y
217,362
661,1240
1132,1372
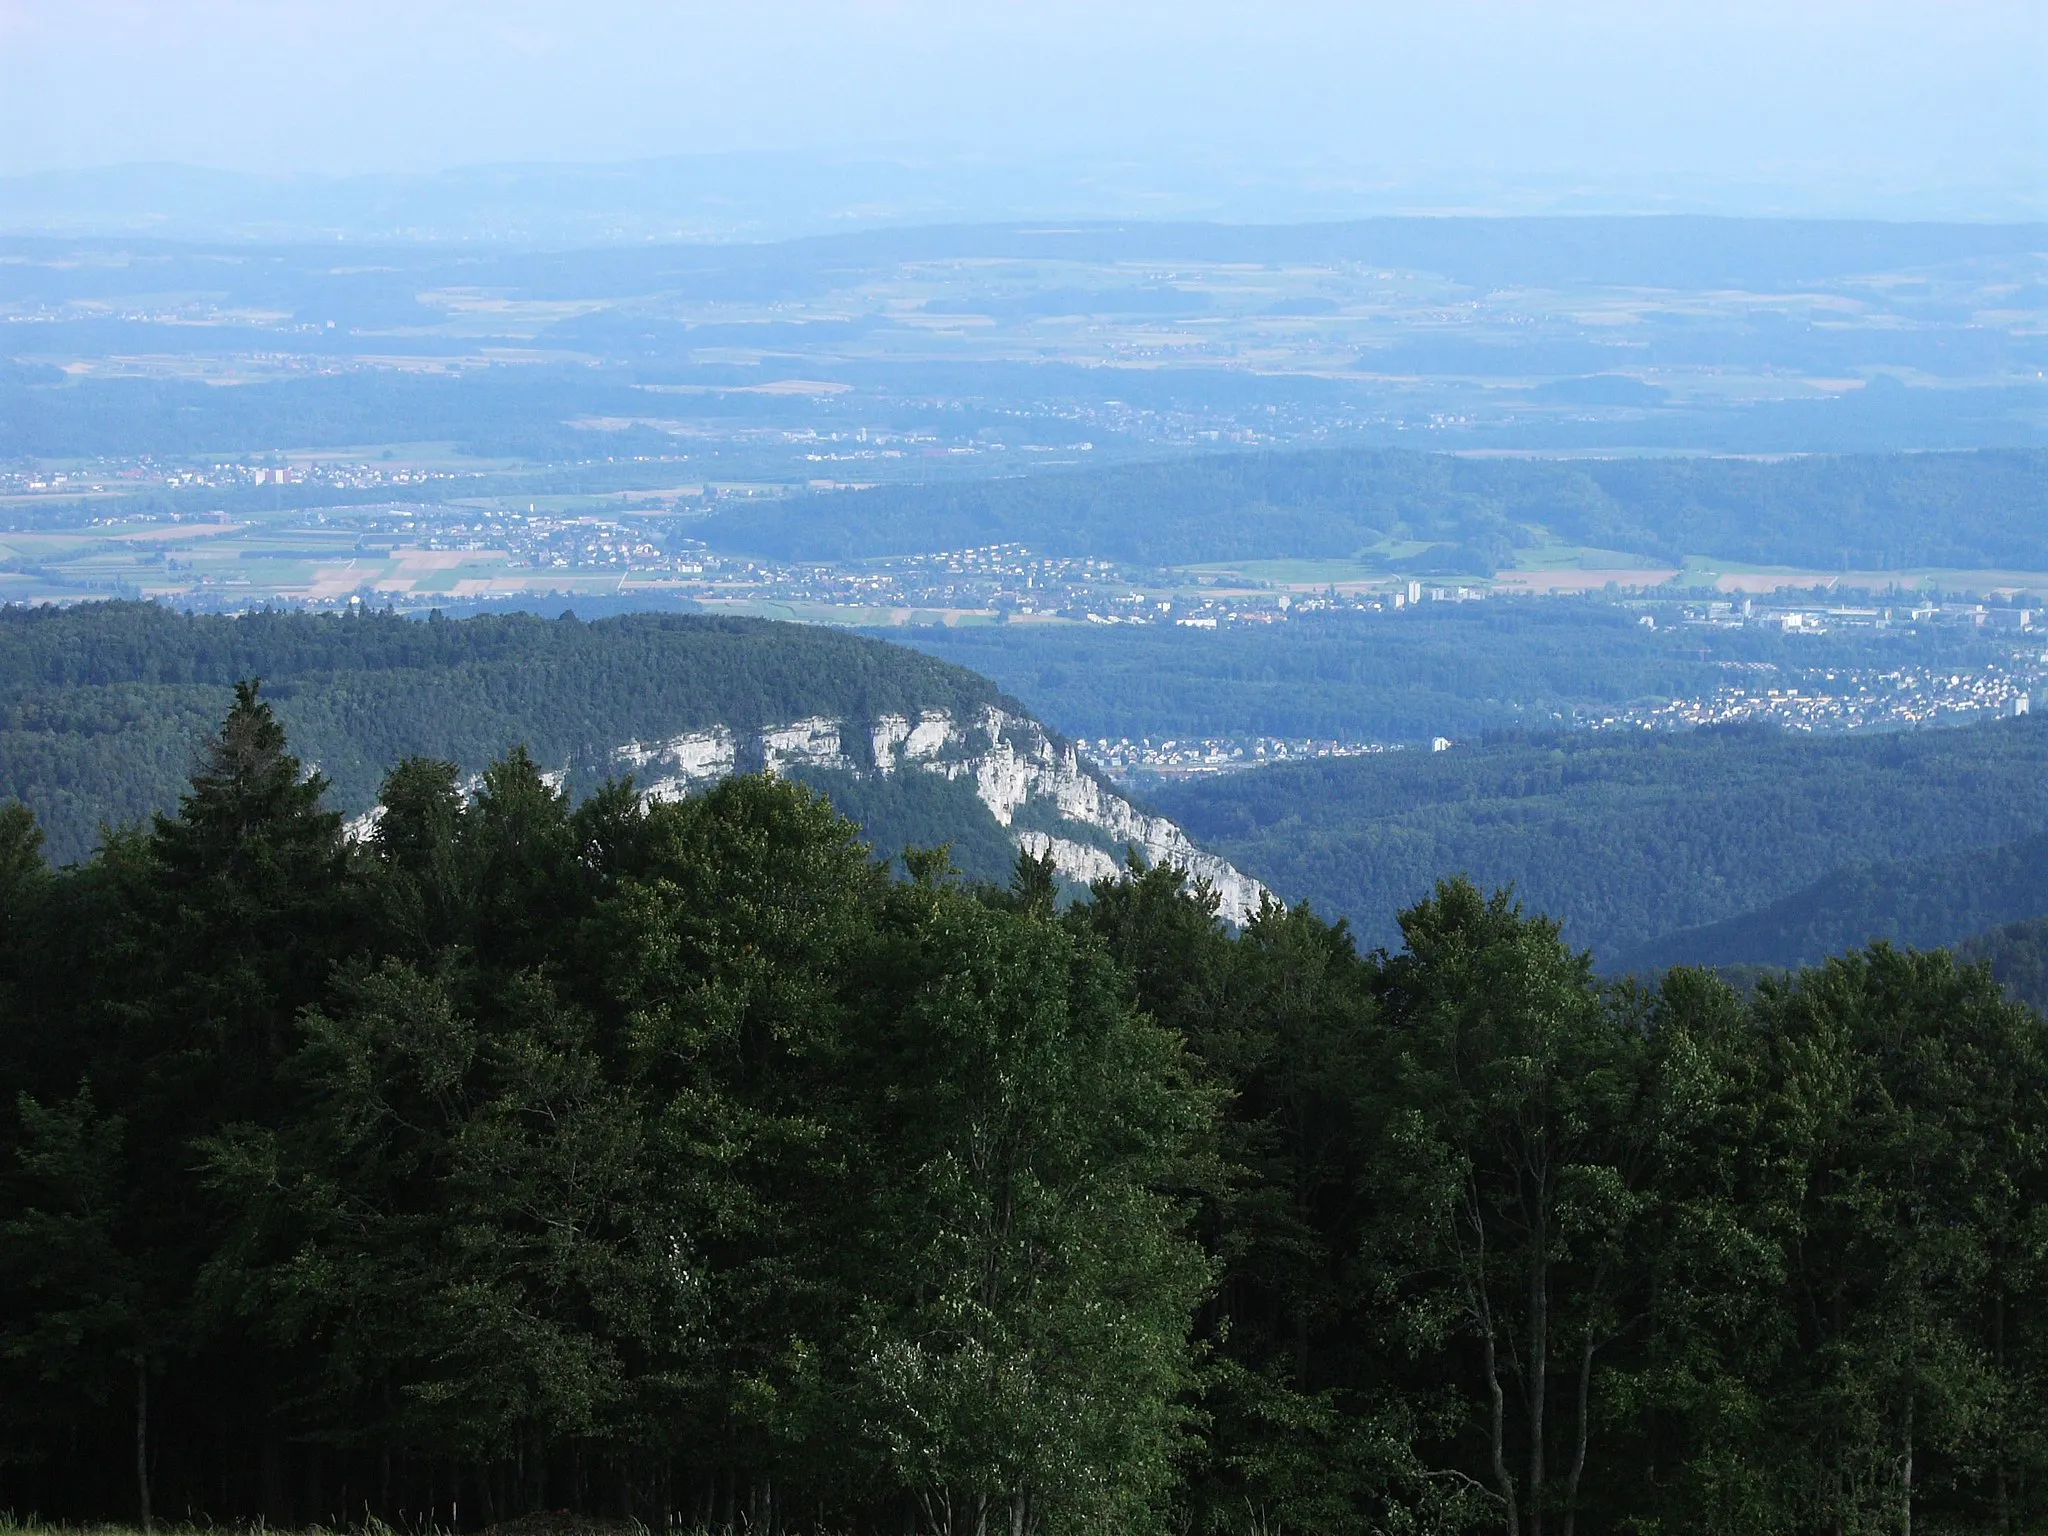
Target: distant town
x,y
1851,699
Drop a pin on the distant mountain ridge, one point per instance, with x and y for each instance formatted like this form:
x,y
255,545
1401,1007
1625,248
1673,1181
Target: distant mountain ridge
x,y
975,205
1975,509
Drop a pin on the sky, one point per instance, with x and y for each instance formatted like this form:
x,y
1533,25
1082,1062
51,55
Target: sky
x,y
1846,99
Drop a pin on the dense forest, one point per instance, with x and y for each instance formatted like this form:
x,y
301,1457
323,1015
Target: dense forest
x,y
1938,899
2018,956
1630,837
676,1162
1858,512
101,703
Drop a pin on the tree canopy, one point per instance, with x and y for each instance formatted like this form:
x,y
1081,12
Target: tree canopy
x,y
678,1160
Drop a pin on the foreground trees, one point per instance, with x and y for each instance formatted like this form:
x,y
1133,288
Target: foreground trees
x,y
675,1161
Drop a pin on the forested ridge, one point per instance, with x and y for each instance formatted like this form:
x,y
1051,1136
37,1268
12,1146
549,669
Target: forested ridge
x,y
101,703
2018,956
1846,512
675,1161
1631,837
1934,900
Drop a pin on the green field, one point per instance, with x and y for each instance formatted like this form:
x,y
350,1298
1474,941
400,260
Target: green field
x,y
1293,573
1705,571
1549,556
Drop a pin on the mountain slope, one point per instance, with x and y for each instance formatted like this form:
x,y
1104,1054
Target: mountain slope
x,y
101,706
1624,837
1926,903
2018,956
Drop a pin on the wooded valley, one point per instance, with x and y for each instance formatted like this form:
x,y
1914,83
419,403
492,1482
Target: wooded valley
x,y
1736,844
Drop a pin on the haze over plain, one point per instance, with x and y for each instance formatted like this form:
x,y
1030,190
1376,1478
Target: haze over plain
x,y
981,110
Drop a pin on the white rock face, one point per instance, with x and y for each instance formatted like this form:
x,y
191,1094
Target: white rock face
x,y
812,743
1077,861
1019,767
1080,797
1003,780
897,738
890,732
671,769
930,736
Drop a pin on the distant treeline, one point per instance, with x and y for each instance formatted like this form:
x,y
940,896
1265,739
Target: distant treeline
x,y
533,414
676,1163
584,477
300,276
491,415
1863,512
1636,840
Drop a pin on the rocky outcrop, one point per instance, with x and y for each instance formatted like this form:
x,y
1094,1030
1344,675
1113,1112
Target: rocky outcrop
x,y
1038,789
897,739
674,767
810,743
1016,765
1017,771
1077,861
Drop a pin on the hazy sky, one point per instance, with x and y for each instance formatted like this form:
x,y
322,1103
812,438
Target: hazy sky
x,y
1791,91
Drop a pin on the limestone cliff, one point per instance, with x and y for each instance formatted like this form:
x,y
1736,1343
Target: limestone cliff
x,y
1038,790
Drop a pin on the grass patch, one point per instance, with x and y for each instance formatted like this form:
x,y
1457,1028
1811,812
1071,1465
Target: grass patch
x,y
1288,573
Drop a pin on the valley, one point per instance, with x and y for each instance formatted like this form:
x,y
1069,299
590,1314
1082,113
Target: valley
x,y
1729,846
1653,849
1160,665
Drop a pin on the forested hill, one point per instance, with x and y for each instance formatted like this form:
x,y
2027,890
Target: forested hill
x,y
104,704
101,704
1869,512
2018,956
1626,837
1929,902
